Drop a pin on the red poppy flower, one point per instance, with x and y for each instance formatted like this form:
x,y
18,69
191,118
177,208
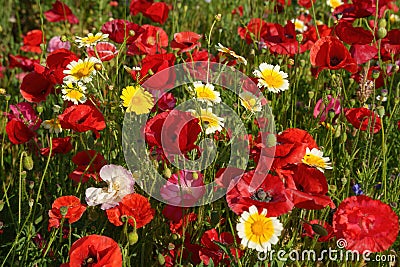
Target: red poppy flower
x,y
139,6
173,213
238,10
308,231
306,3
56,62
105,50
366,224
253,31
120,30
353,35
135,207
157,12
151,41
310,36
60,145
180,132
24,63
60,12
279,39
82,118
68,207
391,43
95,251
363,119
183,223
307,187
18,132
263,191
35,87
185,41
166,102
32,41
330,53
291,148
210,250
157,64
224,176
89,164
363,53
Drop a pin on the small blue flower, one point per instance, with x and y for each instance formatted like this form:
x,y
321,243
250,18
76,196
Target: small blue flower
x,y
357,189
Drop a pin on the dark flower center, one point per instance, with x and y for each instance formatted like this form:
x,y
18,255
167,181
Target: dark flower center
x,y
261,195
335,61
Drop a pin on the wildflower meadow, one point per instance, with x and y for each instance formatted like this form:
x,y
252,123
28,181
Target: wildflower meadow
x,y
199,133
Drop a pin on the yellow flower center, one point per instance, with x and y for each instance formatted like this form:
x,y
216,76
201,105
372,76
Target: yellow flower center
x,y
259,228
91,39
82,70
272,78
151,40
74,94
313,161
209,120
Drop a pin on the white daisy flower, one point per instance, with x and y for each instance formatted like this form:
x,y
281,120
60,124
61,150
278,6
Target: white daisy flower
x,y
314,158
258,231
272,78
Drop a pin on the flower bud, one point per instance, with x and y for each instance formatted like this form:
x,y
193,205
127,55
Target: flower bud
x,y
299,37
218,17
63,38
311,94
382,23
381,111
2,91
133,237
27,162
132,33
195,175
161,259
319,229
167,173
98,66
375,74
8,97
382,32
31,184
271,140
39,109
30,203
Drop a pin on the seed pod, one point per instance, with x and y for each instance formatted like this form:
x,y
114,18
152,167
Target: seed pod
x,y
27,162
167,172
98,66
63,210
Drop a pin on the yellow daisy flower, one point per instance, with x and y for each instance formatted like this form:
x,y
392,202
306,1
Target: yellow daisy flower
x,y
137,100
209,120
258,231
314,158
206,93
53,125
272,78
90,40
81,70
74,92
250,101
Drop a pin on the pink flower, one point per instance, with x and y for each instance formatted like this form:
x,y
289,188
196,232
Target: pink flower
x,y
186,192
25,113
56,43
321,110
